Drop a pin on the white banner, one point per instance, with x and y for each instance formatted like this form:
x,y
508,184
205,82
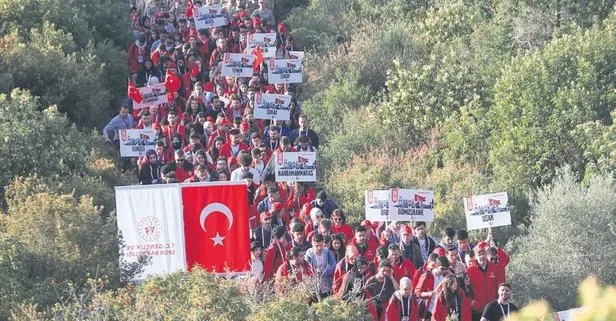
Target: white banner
x,y
377,205
488,210
411,205
151,222
152,95
296,55
568,315
237,65
136,142
296,167
209,17
267,42
284,71
272,106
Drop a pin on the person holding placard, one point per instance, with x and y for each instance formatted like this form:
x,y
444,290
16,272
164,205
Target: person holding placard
x,y
485,278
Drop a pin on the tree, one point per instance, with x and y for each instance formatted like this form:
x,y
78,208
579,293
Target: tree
x,y
557,249
542,97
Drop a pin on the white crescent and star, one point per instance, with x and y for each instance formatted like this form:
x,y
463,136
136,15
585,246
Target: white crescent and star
x,y
211,208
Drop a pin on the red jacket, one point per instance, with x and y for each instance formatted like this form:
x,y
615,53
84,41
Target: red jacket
x,y
168,131
369,252
406,268
503,260
229,114
341,269
485,283
441,311
394,308
425,284
181,174
275,256
134,52
301,272
227,152
295,205
346,230
215,135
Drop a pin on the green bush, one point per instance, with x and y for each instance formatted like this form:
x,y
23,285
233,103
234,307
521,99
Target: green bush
x,y
569,222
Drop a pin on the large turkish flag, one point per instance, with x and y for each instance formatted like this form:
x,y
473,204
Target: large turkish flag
x,y
216,227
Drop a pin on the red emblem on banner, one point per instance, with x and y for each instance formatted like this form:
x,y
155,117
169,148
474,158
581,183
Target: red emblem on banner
x,y
123,134
279,101
302,160
279,158
469,203
259,98
370,197
394,195
419,198
493,202
290,65
227,58
271,63
244,59
267,40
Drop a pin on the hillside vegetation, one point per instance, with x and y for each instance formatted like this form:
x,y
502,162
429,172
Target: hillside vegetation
x,y
457,96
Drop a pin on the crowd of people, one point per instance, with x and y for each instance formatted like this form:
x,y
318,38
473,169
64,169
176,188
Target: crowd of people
x,y
207,132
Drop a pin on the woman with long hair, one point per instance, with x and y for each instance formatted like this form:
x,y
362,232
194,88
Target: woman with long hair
x,y
450,302
337,246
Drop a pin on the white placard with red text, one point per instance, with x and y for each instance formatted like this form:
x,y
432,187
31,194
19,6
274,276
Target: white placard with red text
x,y
486,211
296,55
152,95
267,42
237,65
284,71
411,205
136,142
377,205
209,17
272,106
296,167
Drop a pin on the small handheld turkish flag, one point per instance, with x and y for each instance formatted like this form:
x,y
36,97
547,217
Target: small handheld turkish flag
x,y
190,7
258,58
172,81
134,93
216,228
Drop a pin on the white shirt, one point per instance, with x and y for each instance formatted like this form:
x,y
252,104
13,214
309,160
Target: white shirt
x,y
437,281
238,173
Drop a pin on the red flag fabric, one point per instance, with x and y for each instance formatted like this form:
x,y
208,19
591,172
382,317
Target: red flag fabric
x,y
133,92
216,228
258,58
194,71
172,81
190,7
